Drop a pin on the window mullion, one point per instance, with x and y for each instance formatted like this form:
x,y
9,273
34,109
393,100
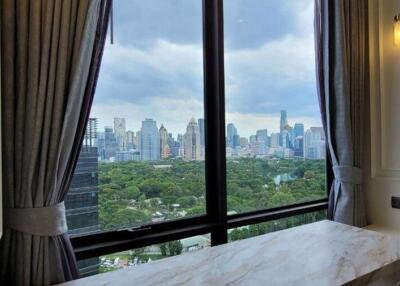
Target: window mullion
x,y
215,118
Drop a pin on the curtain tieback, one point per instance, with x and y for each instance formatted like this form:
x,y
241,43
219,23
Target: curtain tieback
x,y
348,174
42,221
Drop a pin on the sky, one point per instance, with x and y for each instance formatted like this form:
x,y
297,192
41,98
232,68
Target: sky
x,y
154,69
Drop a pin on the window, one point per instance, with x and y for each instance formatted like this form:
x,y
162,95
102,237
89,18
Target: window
x,y
275,144
176,147
143,157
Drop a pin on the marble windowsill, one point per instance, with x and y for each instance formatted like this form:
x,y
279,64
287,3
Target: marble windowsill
x,y
322,253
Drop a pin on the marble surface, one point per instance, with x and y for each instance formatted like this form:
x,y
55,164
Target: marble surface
x,y
322,253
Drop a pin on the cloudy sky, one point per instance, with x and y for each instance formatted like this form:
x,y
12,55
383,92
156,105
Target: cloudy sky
x,y
155,67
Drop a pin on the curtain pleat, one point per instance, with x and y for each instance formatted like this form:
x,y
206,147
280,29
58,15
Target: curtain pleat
x,y
341,42
51,54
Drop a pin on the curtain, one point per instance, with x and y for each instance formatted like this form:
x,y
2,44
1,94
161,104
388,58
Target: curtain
x,y
341,42
51,53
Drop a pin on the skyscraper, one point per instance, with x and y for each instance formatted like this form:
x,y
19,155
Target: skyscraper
x,y
149,140
275,140
283,121
81,203
298,130
120,132
130,140
262,135
164,147
231,131
201,128
110,143
314,143
192,147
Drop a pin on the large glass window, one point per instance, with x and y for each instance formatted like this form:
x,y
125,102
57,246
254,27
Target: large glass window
x,y
163,159
275,145
143,161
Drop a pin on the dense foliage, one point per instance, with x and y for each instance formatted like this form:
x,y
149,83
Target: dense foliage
x,y
137,192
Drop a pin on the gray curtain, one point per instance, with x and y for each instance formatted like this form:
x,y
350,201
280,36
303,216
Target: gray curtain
x,y
341,37
51,53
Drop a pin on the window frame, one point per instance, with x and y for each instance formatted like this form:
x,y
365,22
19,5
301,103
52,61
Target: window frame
x,y
215,221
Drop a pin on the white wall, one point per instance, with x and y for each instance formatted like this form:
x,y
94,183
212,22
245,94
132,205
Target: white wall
x,y
383,144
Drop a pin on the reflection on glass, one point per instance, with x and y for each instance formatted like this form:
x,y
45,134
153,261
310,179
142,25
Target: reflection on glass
x,y
139,256
275,225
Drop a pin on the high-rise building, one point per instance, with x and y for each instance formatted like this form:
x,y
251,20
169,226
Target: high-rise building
x,y
275,138
192,147
262,136
298,130
149,140
174,146
120,133
130,140
200,121
110,143
81,203
231,131
283,121
253,138
244,142
314,143
282,127
164,147
299,146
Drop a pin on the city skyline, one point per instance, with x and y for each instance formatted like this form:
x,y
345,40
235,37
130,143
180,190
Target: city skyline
x,y
157,71
154,142
291,122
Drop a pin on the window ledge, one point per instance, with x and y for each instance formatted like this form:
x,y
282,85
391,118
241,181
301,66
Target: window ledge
x,y
315,254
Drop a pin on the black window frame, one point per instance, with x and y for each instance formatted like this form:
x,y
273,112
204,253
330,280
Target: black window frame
x,y
215,221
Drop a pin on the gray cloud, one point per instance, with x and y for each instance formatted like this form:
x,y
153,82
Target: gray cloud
x,y
155,68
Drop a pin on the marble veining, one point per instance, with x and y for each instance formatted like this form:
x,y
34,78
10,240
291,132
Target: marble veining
x,y
322,253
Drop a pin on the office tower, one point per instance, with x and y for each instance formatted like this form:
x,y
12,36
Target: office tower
x,y
298,130
138,140
120,132
285,139
290,136
164,147
244,142
253,138
236,141
174,146
180,142
192,148
299,146
283,121
81,202
101,148
130,140
110,143
282,126
275,139
262,136
231,131
202,134
149,141
180,139
314,143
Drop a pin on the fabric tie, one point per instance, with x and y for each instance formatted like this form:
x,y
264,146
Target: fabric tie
x,y
348,174
42,221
